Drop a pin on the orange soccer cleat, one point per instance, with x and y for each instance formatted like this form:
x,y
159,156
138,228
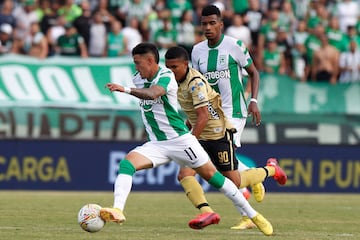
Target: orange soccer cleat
x,y
280,175
204,219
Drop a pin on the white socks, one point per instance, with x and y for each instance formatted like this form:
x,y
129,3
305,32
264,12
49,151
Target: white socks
x,y
242,205
122,188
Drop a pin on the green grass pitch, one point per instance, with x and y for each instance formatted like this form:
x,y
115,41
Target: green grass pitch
x,y
52,215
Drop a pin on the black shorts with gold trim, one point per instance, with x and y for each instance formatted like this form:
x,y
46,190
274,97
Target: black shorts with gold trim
x,y
222,152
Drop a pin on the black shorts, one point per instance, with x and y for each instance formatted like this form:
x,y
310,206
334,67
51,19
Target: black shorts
x,y
222,152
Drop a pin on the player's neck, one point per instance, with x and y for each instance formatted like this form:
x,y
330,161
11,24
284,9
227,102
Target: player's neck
x,y
154,72
216,41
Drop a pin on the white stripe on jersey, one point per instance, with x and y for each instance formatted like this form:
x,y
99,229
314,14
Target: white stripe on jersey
x,y
160,116
222,65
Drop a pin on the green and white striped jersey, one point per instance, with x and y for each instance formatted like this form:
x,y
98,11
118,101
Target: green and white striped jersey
x,y
161,117
222,66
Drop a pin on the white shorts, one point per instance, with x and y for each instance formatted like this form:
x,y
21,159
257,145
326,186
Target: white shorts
x,y
239,124
184,150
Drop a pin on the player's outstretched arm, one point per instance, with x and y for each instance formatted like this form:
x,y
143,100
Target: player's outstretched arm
x,y
143,93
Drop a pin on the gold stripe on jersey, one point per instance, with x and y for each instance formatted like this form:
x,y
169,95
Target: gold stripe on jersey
x,y
195,92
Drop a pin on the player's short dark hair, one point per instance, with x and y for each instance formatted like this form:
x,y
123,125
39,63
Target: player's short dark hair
x,y
177,52
145,48
211,10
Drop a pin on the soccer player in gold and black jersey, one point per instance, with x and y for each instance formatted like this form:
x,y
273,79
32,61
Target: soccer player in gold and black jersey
x,y
205,117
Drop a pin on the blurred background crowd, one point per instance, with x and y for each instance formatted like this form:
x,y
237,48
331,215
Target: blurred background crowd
x,y
308,40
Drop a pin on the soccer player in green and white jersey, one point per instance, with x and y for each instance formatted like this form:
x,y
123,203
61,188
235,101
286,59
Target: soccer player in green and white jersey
x,y
169,138
221,59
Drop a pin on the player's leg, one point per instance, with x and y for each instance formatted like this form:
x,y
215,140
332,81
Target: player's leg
x,y
253,176
194,191
195,194
133,162
223,184
258,189
197,158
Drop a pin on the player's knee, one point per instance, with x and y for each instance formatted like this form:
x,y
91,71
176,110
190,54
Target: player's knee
x,y
185,172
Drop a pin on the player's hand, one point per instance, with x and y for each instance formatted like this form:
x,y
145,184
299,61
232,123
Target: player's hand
x,y
114,87
253,110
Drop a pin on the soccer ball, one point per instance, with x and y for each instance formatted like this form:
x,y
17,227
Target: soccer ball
x,y
89,218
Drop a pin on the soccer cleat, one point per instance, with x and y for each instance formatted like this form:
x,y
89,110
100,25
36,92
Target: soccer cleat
x,y
112,215
263,224
280,175
204,219
245,223
259,191
246,193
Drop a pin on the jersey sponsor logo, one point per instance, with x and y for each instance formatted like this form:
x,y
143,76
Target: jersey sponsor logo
x,y
214,114
147,105
214,76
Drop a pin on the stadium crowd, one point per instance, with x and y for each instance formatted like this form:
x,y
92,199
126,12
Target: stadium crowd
x,y
308,40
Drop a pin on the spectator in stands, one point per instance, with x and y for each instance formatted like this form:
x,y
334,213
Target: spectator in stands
x,y
268,30
253,19
82,23
348,13
71,43
186,31
106,16
286,16
35,43
337,38
320,16
177,7
165,37
300,34
283,40
240,7
24,14
154,23
299,69
132,33
6,38
135,8
350,64
6,15
325,62
70,10
300,8
113,6
312,44
97,40
198,5
43,7
274,60
239,31
299,66
50,17
116,43
54,32
352,35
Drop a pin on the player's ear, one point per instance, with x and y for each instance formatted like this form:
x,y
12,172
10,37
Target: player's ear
x,y
150,59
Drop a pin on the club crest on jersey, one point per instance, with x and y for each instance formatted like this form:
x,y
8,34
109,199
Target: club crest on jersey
x,y
147,105
222,59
